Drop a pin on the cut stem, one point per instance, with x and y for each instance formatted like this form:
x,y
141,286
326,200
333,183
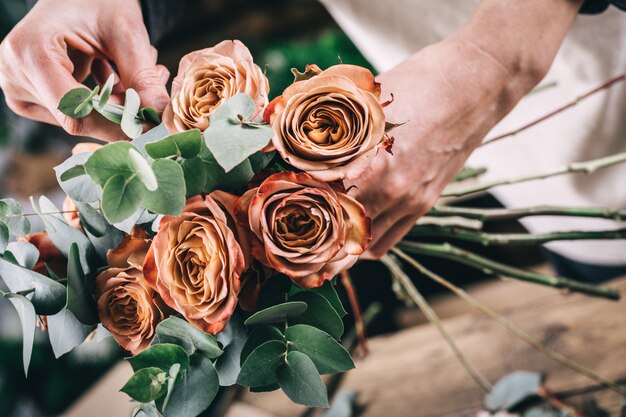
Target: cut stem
x,y
586,167
418,299
467,172
510,326
356,310
497,214
447,251
553,113
493,239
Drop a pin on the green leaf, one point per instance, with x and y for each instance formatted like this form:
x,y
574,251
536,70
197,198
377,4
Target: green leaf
x,y
171,382
73,172
66,332
161,356
26,254
257,337
91,220
80,188
150,115
87,104
259,369
120,198
111,112
130,125
143,169
79,299
110,239
328,356
110,160
229,138
512,390
146,385
169,198
49,295
11,214
186,145
300,381
72,100
197,174
187,400
191,339
277,313
107,89
4,236
146,410
152,135
28,319
320,314
232,338
328,292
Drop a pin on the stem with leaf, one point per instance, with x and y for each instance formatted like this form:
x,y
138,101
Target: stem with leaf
x,y
510,326
496,214
418,299
452,253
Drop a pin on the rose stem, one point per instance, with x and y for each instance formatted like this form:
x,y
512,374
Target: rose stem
x,y
356,310
468,172
450,221
447,251
416,297
586,167
491,239
486,215
553,113
510,326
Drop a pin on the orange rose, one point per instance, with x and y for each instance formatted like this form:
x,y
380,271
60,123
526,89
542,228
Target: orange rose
x,y
128,307
197,259
49,255
330,125
207,78
304,228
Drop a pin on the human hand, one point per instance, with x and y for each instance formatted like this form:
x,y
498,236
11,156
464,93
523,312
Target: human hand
x,y
450,95
60,43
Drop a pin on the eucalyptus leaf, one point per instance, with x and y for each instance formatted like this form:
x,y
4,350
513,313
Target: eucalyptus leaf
x,y
80,188
71,101
143,169
152,135
110,160
299,379
259,369
277,313
26,254
12,215
257,337
130,125
87,104
328,356
171,382
28,320
178,331
150,115
107,89
4,237
327,290
120,198
91,220
169,197
197,176
66,332
79,299
146,385
162,356
186,399
185,145
73,172
319,314
232,338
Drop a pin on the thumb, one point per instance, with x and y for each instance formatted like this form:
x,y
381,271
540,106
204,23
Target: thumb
x,y
136,62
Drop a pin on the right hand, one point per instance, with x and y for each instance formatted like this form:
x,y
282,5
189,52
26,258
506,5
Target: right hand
x,y
60,43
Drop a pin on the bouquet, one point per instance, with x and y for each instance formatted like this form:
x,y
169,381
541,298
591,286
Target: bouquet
x,y
208,245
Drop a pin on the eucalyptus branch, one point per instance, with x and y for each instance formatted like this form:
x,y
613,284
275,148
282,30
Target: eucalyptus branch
x,y
450,221
553,113
468,172
495,239
486,215
586,167
419,301
563,360
50,213
452,253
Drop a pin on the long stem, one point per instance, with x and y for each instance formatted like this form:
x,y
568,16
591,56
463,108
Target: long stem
x,y
51,213
356,310
553,113
490,239
450,221
447,251
419,300
468,172
510,326
586,167
496,214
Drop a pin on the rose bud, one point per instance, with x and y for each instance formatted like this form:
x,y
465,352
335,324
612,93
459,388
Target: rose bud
x,y
330,125
197,259
49,255
207,78
303,227
128,307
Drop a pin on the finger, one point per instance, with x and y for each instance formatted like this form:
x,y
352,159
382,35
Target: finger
x,y
389,238
136,62
31,111
164,72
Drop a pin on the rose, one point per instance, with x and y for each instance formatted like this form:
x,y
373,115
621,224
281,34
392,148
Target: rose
x,y
197,259
128,307
49,255
330,125
303,227
207,78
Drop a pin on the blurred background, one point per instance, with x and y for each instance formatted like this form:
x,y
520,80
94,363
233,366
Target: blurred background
x,y
281,34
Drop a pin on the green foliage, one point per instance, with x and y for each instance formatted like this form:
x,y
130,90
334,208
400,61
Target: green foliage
x,y
299,379
26,313
328,356
146,385
76,103
79,299
232,137
277,313
185,145
327,290
12,215
78,187
195,389
257,337
177,331
162,355
319,314
66,332
232,338
259,369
